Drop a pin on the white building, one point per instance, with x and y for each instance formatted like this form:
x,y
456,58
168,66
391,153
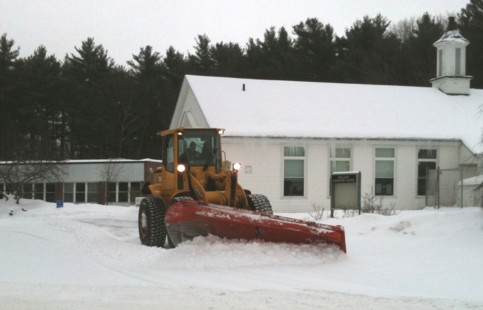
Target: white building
x,y
470,191
102,181
291,136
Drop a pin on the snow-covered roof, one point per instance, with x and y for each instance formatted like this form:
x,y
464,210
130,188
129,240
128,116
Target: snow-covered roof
x,y
452,35
109,160
89,161
474,181
274,108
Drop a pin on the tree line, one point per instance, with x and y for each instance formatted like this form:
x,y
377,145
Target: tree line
x,y
87,106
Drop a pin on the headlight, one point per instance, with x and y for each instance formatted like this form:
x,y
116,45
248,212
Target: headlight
x,y
181,168
236,166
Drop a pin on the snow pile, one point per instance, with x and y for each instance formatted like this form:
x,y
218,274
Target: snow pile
x,y
89,256
234,254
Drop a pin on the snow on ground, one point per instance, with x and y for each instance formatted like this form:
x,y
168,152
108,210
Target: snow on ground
x,y
89,256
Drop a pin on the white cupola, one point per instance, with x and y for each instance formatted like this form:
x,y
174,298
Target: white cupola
x,y
451,75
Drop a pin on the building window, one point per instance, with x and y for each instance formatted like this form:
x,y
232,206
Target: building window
x,y
458,61
92,192
294,171
135,191
111,192
39,191
69,192
9,188
50,192
384,182
440,62
426,161
27,191
340,160
80,192
123,194
169,154
119,192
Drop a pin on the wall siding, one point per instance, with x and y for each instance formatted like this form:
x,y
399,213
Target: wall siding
x,y
192,116
93,172
406,178
265,157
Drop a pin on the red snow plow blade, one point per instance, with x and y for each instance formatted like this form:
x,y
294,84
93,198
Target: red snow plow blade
x,y
189,219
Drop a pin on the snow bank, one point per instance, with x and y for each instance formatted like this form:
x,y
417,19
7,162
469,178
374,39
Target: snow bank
x,y
89,256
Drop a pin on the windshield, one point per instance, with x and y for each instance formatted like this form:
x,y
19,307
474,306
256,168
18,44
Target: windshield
x,y
199,148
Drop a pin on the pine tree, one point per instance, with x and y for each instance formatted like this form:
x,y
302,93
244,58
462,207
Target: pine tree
x,y
9,76
147,69
315,50
201,61
228,60
272,58
90,110
123,93
370,53
470,23
39,106
418,52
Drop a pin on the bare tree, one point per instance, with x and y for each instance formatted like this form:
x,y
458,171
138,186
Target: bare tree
x,y
17,173
109,174
404,29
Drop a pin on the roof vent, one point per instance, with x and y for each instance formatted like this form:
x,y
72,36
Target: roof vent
x,y
451,24
243,86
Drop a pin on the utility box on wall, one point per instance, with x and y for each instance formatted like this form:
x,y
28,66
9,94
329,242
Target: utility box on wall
x,y
345,191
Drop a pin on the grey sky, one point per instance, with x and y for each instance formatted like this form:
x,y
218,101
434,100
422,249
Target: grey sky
x,y
123,26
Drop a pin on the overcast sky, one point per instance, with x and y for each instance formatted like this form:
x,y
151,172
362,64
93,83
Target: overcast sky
x,y
123,26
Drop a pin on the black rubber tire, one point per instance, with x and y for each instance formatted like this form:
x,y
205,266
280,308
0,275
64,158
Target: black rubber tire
x,y
260,203
151,222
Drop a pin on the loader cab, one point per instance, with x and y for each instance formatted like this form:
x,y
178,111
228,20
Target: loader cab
x,y
199,147
195,150
192,147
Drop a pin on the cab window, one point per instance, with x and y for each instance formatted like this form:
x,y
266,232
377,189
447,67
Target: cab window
x,y
169,154
199,148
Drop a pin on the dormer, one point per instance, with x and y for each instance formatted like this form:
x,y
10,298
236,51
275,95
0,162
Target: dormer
x,y
451,75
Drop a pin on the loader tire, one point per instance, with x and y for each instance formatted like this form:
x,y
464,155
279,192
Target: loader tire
x,y
260,203
151,222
